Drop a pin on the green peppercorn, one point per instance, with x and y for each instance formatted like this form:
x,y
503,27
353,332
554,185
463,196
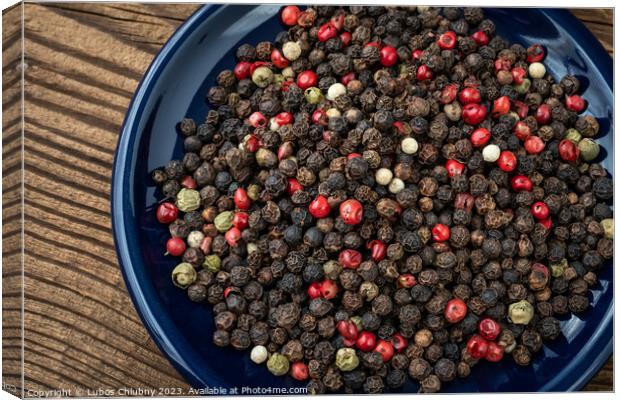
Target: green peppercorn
x,y
183,275
608,227
278,79
313,95
523,87
573,135
253,191
224,221
212,263
357,320
557,269
188,200
278,364
262,77
332,269
521,312
588,149
346,359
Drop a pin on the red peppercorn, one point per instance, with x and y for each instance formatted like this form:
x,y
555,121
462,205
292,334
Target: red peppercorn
x,y
284,118
534,145
257,119
293,186
424,73
441,233
480,38
175,246
373,44
455,310
469,95
329,289
378,250
167,212
232,236
388,56
347,329
327,135
547,223
495,352
278,59
575,103
326,31
540,211
319,116
522,130
489,329
407,281
385,349
417,53
351,211
227,291
314,290
448,93
285,150
543,114
569,151
447,40
518,75
399,342
507,161
501,106
347,78
241,199
366,341
240,220
319,207
299,371
345,38
503,64
535,53
290,15
188,182
337,21
473,114
477,347
521,183
454,168
350,258
520,108
306,79
252,144
353,155
464,201
480,137
398,125
242,70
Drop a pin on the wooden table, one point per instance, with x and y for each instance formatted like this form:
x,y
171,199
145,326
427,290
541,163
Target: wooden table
x,y
82,64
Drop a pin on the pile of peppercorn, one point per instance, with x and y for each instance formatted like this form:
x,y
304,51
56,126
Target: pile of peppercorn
x,y
386,192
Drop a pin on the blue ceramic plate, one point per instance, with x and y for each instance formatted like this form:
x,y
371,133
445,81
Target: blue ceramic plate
x,y
176,85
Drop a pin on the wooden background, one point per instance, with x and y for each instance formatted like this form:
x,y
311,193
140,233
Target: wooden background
x,y
82,64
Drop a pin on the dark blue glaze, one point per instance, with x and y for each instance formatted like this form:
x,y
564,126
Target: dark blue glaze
x,y
175,86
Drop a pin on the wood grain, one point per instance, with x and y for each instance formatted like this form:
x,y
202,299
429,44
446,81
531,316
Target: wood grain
x,y
82,65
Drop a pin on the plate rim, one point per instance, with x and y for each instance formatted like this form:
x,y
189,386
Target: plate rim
x,y
160,327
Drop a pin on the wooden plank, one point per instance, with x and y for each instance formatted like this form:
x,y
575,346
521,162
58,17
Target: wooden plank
x,y
12,197
81,330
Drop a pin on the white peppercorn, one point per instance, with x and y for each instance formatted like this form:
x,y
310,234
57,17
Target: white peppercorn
x,y
409,145
383,176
